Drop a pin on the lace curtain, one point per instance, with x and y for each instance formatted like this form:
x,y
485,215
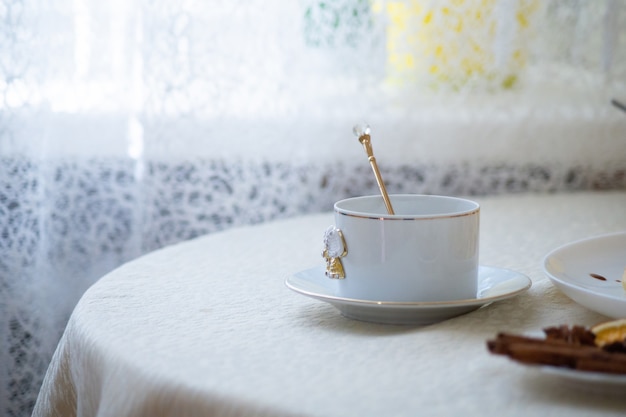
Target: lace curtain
x,y
129,125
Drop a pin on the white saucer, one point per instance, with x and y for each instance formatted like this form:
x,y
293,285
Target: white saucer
x,y
494,284
569,267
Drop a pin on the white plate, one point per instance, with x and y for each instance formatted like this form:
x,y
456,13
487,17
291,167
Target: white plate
x,y
589,381
569,268
494,284
584,381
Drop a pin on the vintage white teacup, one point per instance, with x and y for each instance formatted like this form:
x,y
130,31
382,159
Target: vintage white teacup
x,y
426,251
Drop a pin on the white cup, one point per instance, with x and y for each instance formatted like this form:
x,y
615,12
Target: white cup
x,y
426,251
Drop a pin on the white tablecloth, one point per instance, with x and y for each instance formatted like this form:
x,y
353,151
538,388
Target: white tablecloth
x,y
207,327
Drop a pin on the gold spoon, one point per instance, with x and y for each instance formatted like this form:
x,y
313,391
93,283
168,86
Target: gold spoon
x,y
363,133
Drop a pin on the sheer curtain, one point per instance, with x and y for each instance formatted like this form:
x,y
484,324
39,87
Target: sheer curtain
x,y
128,125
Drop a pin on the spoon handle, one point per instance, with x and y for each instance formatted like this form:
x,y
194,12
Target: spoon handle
x,y
618,104
366,141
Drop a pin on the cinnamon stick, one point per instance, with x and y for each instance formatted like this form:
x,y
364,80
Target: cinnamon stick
x,y
557,352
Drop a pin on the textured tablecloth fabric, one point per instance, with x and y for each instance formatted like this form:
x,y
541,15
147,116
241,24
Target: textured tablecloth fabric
x,y
208,328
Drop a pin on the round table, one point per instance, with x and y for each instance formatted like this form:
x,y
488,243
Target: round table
x,y
208,327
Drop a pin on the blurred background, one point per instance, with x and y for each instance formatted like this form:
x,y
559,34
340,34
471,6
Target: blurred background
x,y
129,125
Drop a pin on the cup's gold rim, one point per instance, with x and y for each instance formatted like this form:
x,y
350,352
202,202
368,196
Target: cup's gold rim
x,y
403,217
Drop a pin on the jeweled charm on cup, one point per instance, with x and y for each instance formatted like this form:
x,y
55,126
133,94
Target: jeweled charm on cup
x,y
334,249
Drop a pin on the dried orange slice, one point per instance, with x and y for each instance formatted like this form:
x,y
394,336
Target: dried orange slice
x,y
609,332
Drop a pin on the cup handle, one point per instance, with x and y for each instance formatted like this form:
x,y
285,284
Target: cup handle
x,y
334,249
